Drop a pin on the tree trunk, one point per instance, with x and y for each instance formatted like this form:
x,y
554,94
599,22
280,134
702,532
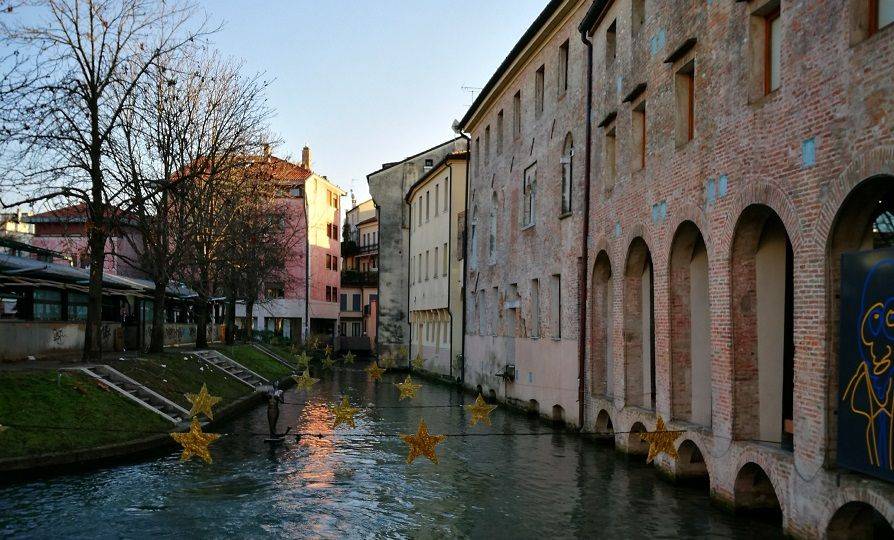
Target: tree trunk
x,y
157,338
93,329
249,321
231,318
201,312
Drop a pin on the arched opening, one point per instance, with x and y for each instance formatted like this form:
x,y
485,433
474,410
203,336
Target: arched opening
x,y
567,170
865,221
858,521
533,408
492,394
690,327
601,322
558,414
479,390
639,327
762,316
603,429
754,494
635,444
690,463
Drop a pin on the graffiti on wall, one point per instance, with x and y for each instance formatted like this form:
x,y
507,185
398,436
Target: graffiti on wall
x,y
866,353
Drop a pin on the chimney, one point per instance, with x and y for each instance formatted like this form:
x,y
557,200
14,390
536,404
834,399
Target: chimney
x,y
305,158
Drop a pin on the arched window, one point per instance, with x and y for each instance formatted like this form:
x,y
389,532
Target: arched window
x,y
567,169
492,237
473,239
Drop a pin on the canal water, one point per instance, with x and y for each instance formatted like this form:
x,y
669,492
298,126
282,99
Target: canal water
x,y
527,482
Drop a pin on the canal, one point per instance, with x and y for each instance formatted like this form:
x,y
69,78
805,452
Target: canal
x,y
526,482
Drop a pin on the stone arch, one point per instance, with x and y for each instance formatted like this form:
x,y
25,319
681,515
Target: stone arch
x,y
635,444
754,493
690,212
690,326
604,423
762,312
492,394
558,416
766,195
858,225
480,390
533,407
601,315
858,520
690,463
639,326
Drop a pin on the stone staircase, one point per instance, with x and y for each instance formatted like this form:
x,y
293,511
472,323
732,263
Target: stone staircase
x,y
134,391
264,349
232,368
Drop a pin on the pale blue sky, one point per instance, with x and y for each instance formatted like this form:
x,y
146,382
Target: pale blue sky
x,y
364,82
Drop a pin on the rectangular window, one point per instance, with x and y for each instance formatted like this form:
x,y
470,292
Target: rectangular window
x,y
477,156
419,273
419,210
516,114
335,294
486,154
355,328
609,153
328,293
427,206
77,306
529,207
356,302
639,135
611,44
435,269
495,311
343,302
446,194
567,174
535,308
437,197
772,50
500,132
637,15
685,99
446,259
563,68
556,306
881,14
426,264
538,90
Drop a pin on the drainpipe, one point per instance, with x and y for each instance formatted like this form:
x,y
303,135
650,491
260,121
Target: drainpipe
x,y
306,266
409,269
582,277
465,253
449,249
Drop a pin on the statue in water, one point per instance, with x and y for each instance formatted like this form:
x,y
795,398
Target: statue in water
x,y
274,398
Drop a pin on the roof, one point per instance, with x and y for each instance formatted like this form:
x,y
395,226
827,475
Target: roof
x,y
594,15
23,246
76,213
456,156
386,166
520,46
280,169
368,220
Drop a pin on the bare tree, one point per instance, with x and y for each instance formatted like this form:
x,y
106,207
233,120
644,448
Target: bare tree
x,y
88,57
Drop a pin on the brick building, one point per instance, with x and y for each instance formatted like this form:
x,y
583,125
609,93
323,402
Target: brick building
x,y
736,151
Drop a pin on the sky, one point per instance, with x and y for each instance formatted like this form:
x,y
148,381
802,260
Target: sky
x,y
364,82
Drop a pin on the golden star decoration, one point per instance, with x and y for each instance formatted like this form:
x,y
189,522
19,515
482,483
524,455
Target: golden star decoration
x,y
304,381
375,372
422,444
348,358
202,402
195,442
407,388
418,362
328,361
480,411
387,360
344,413
303,360
661,440
328,350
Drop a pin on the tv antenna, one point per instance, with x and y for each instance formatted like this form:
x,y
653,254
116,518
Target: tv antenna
x,y
471,90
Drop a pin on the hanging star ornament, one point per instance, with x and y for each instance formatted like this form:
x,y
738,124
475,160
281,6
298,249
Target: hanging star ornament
x,y
422,444
195,442
418,362
348,358
328,350
328,361
304,381
387,360
480,411
375,372
202,403
304,360
407,388
661,440
344,413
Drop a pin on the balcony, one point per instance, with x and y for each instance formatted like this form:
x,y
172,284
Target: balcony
x,y
357,278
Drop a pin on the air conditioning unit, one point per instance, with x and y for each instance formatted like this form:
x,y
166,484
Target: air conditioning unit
x,y
508,373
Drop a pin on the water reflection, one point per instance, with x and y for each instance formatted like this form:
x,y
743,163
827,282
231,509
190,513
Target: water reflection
x,y
522,486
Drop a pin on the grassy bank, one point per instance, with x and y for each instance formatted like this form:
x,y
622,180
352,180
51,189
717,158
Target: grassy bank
x,y
256,361
175,374
71,401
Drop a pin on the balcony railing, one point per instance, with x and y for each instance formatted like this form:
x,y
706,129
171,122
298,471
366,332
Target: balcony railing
x,y
354,277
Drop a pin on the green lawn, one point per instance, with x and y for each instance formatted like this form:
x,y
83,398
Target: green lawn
x,y
175,374
34,398
256,361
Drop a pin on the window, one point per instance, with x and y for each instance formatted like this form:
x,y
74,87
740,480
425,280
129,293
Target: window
x,y
567,170
486,154
535,308
437,197
427,206
500,132
556,306
609,153
495,310
765,41
275,290
343,305
637,15
492,236
473,240
529,192
611,44
516,114
881,14
419,272
538,90
477,155
335,294
429,163
772,50
355,304
435,269
328,293
427,253
446,194
355,329
685,98
563,68
77,306
639,136
419,208
446,259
